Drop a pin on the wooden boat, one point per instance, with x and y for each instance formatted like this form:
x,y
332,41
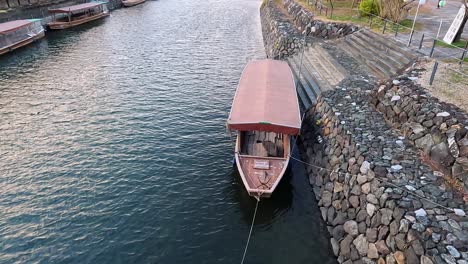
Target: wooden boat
x,y
129,3
19,33
70,16
265,113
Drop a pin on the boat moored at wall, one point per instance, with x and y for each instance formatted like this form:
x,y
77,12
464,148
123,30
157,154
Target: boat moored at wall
x,y
77,14
265,113
19,33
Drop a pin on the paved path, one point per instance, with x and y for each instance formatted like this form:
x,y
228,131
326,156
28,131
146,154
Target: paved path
x,y
428,24
430,16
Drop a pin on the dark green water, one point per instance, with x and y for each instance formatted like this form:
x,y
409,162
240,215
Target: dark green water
x,y
113,146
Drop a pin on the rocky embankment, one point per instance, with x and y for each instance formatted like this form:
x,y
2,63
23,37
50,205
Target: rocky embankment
x,y
437,129
381,157
382,204
283,38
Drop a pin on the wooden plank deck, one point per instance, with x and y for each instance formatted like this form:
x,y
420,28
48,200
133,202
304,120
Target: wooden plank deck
x,y
262,144
259,178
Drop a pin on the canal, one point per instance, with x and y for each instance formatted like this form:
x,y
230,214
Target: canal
x,y
113,146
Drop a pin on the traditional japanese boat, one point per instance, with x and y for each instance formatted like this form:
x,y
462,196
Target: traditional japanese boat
x,y
70,16
19,33
129,3
265,113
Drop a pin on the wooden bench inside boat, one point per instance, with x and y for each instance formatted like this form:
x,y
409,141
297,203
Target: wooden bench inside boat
x,y
262,144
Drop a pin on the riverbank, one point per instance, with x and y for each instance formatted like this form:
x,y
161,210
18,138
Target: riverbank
x,y
370,147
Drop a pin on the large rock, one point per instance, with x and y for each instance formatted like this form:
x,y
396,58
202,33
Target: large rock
x,y
382,247
426,260
372,251
338,232
399,257
425,143
326,199
351,227
365,166
3,4
440,153
335,246
361,245
345,246
354,201
370,208
386,216
371,235
410,256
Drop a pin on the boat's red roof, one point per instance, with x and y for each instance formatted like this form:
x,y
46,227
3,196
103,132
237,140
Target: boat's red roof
x,y
266,99
76,8
13,25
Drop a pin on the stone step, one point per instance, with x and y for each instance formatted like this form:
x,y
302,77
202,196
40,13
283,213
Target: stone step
x,y
320,69
394,52
392,44
334,70
367,58
378,55
303,98
306,92
310,84
364,58
394,58
315,69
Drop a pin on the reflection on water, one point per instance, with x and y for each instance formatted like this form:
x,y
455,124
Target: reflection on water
x,y
113,145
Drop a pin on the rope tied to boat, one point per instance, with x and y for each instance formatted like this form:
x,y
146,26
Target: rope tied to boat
x,y
251,226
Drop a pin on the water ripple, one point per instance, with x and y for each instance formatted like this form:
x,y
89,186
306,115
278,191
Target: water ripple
x,y
113,147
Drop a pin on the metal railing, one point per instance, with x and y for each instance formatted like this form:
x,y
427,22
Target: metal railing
x,y
423,43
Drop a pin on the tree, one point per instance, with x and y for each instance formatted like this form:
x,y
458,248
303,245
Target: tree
x,y
462,26
395,10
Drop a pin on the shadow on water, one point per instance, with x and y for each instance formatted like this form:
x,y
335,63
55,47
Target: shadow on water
x,y
293,202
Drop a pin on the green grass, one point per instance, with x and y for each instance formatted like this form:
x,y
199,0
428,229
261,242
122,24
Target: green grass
x,y
377,24
459,44
457,78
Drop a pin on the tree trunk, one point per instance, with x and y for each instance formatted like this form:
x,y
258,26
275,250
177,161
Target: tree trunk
x,y
462,26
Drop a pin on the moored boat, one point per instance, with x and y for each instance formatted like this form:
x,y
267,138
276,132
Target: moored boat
x,y
77,14
19,33
265,113
129,3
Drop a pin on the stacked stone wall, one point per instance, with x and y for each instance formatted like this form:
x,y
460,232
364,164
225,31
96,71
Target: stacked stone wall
x,y
381,203
437,129
303,19
283,28
280,37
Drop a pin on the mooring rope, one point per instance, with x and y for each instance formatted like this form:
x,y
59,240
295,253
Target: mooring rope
x,y
251,228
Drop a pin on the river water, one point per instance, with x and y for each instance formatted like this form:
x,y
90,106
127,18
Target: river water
x,y
113,147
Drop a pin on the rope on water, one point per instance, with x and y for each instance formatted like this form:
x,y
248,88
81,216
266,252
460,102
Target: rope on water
x,y
251,228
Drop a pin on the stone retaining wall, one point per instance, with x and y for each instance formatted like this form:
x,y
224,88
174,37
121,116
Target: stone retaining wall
x,y
373,194
438,130
283,28
304,18
280,37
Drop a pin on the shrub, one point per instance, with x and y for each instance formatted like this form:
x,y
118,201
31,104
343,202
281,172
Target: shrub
x,y
367,7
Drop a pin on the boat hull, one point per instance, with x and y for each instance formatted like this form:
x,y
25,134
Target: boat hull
x,y
130,3
57,25
22,43
261,182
